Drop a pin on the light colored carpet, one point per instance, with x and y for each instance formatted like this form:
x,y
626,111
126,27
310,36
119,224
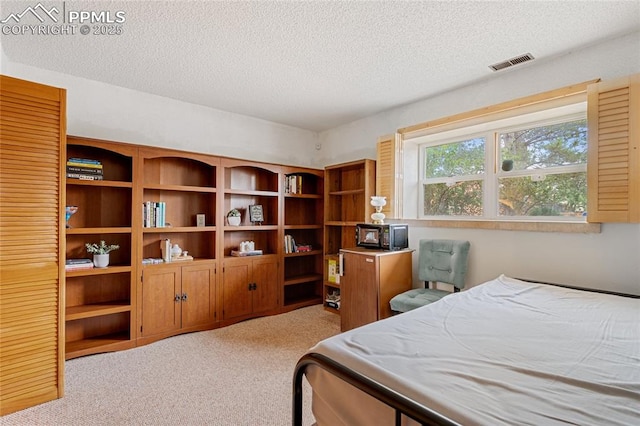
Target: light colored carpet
x,y
236,375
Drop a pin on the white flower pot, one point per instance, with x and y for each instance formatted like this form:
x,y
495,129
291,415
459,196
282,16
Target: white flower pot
x,y
101,260
234,220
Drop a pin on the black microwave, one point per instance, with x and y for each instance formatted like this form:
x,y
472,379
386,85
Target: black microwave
x,y
392,236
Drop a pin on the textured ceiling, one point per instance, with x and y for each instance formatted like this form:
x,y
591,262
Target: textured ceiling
x,y
314,64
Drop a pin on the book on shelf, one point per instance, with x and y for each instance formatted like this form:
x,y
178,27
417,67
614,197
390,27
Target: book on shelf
x,y
289,244
85,170
84,176
332,271
237,253
154,214
83,160
293,184
181,258
77,264
84,163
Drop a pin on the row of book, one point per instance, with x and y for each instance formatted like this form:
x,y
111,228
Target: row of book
x,y
154,214
290,245
84,168
293,184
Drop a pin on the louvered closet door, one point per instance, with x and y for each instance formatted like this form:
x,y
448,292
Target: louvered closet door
x,y
32,135
389,174
613,168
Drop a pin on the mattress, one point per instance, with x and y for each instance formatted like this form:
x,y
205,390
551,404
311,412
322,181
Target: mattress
x,y
504,352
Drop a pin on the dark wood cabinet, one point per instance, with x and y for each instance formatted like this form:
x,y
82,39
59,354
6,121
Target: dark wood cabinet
x,y
176,299
370,278
249,287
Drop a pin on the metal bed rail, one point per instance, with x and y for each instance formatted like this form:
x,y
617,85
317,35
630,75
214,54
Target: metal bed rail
x,y
400,403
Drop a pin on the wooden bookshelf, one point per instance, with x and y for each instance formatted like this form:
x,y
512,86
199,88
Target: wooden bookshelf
x,y
347,195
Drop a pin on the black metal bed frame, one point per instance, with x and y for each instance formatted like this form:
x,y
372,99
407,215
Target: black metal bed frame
x,y
400,403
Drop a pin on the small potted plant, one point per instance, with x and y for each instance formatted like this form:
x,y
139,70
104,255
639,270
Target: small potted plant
x,y
233,217
101,253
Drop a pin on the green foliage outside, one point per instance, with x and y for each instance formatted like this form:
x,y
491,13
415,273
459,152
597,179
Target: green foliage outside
x,y
534,150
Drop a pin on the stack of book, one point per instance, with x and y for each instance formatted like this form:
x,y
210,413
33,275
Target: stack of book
x,y
78,264
153,214
293,184
84,168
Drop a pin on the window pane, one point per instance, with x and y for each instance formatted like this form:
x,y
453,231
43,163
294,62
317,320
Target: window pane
x,y
546,146
455,159
460,199
556,195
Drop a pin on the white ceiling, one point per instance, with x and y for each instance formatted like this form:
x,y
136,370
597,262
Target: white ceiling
x,y
315,64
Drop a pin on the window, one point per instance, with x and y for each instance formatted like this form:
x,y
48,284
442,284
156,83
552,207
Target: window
x,y
453,178
529,167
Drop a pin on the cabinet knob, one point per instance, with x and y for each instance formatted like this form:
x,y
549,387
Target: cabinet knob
x,y
184,297
177,298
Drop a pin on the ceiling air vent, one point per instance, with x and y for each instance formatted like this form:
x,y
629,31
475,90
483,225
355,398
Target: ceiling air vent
x,y
511,62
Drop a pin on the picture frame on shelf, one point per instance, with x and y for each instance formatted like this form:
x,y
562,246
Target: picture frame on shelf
x,y
256,214
200,220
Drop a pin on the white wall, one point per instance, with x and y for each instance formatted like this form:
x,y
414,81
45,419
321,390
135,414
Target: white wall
x,y
104,111
610,259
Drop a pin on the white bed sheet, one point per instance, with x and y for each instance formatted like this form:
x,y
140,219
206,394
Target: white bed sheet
x,y
505,352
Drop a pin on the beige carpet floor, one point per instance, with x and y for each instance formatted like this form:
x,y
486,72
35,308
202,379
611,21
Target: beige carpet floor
x,y
236,375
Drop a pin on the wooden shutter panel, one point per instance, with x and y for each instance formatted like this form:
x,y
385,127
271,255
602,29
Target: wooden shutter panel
x,y
32,136
389,174
613,169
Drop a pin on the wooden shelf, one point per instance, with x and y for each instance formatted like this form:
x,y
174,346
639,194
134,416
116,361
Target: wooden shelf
x,y
303,253
342,223
99,302
89,311
348,192
101,230
107,307
310,196
302,279
94,345
348,188
301,303
170,229
309,226
99,183
98,271
228,228
251,192
183,188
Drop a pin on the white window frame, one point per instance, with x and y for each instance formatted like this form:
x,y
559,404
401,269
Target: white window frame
x,y
490,131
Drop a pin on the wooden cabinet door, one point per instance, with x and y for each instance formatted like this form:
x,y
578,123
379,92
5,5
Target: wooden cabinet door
x,y
236,296
265,278
358,291
161,300
33,134
198,295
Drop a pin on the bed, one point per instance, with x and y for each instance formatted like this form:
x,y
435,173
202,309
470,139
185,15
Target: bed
x,y
504,352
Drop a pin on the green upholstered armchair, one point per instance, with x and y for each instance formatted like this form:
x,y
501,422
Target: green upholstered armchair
x,y
442,261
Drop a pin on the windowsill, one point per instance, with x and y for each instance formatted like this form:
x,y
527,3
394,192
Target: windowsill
x,y
504,225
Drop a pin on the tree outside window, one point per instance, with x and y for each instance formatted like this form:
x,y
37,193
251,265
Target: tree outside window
x,y
531,171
